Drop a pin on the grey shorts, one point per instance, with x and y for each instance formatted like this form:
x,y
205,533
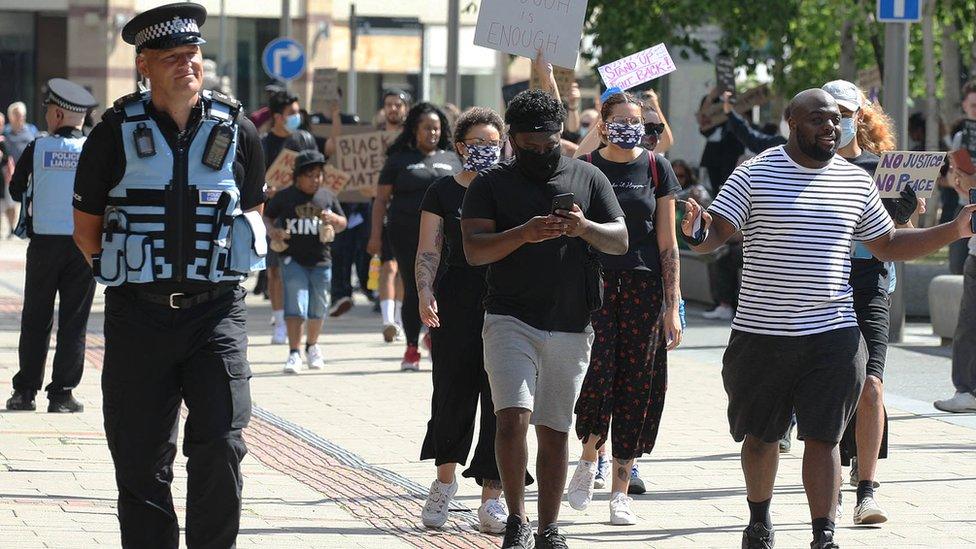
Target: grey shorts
x,y
534,369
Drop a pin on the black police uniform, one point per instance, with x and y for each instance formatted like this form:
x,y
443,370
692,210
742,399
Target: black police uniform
x,y
174,311
43,181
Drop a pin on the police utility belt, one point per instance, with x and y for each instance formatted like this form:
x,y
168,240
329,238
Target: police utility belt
x,y
175,215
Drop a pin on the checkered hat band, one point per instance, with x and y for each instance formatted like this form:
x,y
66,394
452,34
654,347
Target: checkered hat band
x,y
52,98
167,28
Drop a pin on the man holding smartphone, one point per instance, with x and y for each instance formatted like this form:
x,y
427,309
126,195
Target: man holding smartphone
x,y
533,221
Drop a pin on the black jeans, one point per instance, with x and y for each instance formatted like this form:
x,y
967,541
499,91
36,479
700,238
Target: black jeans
x,y
349,250
55,266
156,358
405,239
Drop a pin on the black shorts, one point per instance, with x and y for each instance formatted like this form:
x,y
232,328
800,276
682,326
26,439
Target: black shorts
x,y
767,377
386,251
872,307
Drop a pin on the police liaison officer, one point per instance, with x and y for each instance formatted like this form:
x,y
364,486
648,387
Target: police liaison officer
x,y
168,196
43,182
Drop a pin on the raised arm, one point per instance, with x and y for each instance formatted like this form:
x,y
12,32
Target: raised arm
x,y
905,244
336,130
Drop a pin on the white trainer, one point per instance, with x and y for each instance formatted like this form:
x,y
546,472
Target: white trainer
x,y
839,513
960,402
492,516
294,363
314,357
280,335
869,512
620,512
580,492
434,514
722,312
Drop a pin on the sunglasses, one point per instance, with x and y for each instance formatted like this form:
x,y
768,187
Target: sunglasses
x,y
652,128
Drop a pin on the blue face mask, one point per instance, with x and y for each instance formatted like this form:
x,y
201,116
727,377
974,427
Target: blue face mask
x,y
293,122
848,129
625,136
481,157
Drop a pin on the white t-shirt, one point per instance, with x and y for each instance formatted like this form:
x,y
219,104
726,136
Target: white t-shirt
x,y
798,225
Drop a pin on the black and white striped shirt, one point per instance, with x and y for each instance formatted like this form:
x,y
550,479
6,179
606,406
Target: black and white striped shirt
x,y
798,225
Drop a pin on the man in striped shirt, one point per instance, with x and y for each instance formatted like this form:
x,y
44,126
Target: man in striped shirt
x,y
795,341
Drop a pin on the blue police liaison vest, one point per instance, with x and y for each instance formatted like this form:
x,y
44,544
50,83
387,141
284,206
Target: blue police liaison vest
x,y
46,208
171,217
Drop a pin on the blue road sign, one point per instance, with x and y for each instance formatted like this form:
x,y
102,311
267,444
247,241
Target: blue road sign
x,y
899,11
283,59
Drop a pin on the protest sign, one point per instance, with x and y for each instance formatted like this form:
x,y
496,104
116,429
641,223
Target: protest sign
x,y
510,91
638,68
325,89
900,169
281,171
725,73
756,97
564,80
362,156
335,179
522,27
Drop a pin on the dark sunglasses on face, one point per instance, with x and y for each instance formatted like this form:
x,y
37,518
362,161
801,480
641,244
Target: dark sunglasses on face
x,y
652,128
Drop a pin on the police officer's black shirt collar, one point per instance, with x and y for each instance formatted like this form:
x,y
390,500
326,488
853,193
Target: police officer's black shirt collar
x,y
166,124
68,131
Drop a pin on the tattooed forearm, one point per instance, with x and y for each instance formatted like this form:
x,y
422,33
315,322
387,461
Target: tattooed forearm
x,y
427,262
609,238
671,275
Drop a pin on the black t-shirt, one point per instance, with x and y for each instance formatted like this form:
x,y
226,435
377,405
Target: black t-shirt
x,y
869,273
540,284
444,198
410,172
298,213
637,195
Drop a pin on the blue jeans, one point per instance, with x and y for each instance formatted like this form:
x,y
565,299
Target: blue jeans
x,y
306,289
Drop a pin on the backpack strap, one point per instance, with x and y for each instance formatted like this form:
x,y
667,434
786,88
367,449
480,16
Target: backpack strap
x,y
652,171
588,157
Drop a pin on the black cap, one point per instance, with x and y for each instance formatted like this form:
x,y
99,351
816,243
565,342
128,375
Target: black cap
x,y
69,96
165,27
308,158
397,92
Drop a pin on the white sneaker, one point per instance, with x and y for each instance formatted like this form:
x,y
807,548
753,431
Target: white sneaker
x,y
961,402
580,492
620,511
280,335
294,363
722,312
839,514
438,503
869,512
314,357
492,516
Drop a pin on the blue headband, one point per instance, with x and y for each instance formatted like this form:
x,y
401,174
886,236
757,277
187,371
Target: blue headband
x,y
610,93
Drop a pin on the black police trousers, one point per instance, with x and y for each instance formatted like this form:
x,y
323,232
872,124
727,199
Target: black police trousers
x,y
155,358
55,266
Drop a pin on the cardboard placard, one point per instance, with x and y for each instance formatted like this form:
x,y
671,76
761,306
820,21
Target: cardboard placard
x,y
900,169
522,27
335,179
361,156
756,97
968,137
281,172
325,89
510,91
725,73
564,80
637,68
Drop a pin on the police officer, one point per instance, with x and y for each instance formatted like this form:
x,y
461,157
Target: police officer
x,y
43,181
168,195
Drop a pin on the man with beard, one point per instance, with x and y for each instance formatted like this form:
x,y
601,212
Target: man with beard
x,y
795,342
534,221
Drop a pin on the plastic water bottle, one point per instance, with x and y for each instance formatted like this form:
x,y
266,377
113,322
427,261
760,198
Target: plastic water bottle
x,y
681,312
373,281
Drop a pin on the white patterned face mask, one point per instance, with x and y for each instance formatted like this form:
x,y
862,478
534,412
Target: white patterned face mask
x,y
625,136
481,157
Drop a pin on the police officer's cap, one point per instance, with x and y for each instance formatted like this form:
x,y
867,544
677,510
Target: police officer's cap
x,y
166,27
69,96
308,158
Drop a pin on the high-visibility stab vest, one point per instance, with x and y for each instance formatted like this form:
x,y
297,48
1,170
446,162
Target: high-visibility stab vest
x,y
176,214
46,208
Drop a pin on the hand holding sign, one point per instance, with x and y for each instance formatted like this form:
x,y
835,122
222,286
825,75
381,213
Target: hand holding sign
x,y
281,171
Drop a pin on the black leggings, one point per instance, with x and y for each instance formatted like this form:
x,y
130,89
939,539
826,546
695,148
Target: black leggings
x,y
405,240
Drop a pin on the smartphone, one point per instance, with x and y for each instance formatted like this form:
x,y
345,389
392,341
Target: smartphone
x,y
563,202
962,160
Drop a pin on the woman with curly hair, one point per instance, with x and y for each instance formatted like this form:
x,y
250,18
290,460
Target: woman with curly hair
x,y
419,156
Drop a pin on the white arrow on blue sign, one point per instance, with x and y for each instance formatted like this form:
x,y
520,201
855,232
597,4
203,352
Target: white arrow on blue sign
x,y
899,11
283,59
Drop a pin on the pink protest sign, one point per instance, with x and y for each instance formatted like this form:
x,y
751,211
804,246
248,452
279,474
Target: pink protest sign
x,y
638,68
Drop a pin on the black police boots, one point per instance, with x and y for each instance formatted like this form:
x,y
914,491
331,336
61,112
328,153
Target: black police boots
x,y
64,403
22,401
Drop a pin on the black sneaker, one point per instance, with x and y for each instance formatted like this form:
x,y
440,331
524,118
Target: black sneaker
x,y
636,486
21,401
64,404
340,307
758,536
550,538
518,534
824,540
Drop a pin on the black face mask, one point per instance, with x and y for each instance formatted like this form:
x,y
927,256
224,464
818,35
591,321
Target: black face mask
x,y
538,167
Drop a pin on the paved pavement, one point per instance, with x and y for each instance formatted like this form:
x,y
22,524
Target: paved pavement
x,y
333,454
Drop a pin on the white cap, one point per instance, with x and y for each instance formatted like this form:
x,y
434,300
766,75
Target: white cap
x,y
845,93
